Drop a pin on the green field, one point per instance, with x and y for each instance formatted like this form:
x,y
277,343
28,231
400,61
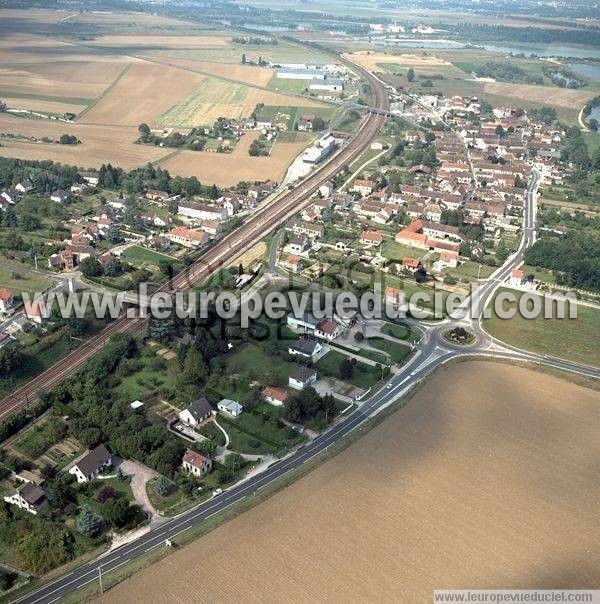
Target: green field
x,y
271,112
570,339
401,332
141,255
17,280
364,375
397,352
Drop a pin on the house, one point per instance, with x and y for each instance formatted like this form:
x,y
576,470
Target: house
x,y
517,278
371,238
10,195
232,408
156,195
24,186
421,169
393,296
212,227
302,377
363,186
201,211
275,396
411,264
29,497
199,411
34,310
261,190
307,322
447,259
7,301
306,347
59,196
298,243
327,329
91,464
196,464
293,263
188,237
92,178
79,187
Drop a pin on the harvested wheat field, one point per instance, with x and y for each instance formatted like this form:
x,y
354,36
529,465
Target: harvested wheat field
x,y
42,105
488,478
226,169
142,94
248,74
214,98
162,41
100,144
545,95
369,60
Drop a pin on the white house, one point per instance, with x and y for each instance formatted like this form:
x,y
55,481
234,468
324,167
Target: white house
x,y
7,302
201,211
59,196
305,347
24,186
196,464
199,411
29,497
230,407
302,377
275,396
327,329
91,464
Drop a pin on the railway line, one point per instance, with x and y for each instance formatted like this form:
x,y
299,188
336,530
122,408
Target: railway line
x,y
224,252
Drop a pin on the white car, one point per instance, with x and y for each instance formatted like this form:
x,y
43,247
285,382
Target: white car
x,y
389,385
217,492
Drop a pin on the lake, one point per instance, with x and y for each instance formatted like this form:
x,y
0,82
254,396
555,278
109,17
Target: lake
x,y
587,70
546,50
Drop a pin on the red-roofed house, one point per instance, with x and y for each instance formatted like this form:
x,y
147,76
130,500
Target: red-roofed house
x,y
34,310
371,238
393,296
275,396
516,278
196,464
363,186
188,237
411,264
7,301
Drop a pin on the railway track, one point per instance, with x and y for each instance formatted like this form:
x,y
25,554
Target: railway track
x,y
223,253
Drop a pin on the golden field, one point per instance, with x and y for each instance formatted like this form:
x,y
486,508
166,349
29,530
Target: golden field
x,y
487,478
226,169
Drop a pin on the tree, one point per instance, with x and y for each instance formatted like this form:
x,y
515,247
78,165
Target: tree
x,y
318,124
144,129
91,267
118,512
206,446
88,523
231,466
346,369
163,486
410,74
194,369
106,493
44,547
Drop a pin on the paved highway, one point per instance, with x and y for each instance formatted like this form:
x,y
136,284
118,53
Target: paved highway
x,y
433,352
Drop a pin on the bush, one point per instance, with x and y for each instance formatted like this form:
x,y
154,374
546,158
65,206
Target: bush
x,y
163,486
7,579
106,493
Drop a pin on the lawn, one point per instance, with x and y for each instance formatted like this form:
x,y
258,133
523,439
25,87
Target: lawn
x,y
571,339
397,251
141,255
543,274
470,270
397,352
363,377
17,281
150,375
41,437
401,332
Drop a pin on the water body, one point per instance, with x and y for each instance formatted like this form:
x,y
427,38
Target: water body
x,y
441,44
546,50
587,70
268,28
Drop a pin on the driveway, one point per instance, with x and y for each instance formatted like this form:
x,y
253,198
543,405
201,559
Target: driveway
x,y
140,475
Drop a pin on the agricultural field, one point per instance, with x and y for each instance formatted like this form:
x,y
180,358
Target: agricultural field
x,y
114,71
99,144
571,339
423,483
225,169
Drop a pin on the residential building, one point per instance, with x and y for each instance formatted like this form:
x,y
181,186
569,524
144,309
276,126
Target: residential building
x,y
201,211
7,301
197,412
307,322
232,408
373,238
59,196
34,310
306,347
363,186
196,464
24,186
28,496
10,195
292,263
91,464
301,377
393,296
188,237
156,195
327,329
298,243
275,396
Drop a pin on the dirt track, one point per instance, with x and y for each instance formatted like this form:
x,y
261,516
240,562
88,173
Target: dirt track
x,y
487,478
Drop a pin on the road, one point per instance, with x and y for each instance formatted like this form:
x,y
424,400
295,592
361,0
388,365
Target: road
x,y
433,352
